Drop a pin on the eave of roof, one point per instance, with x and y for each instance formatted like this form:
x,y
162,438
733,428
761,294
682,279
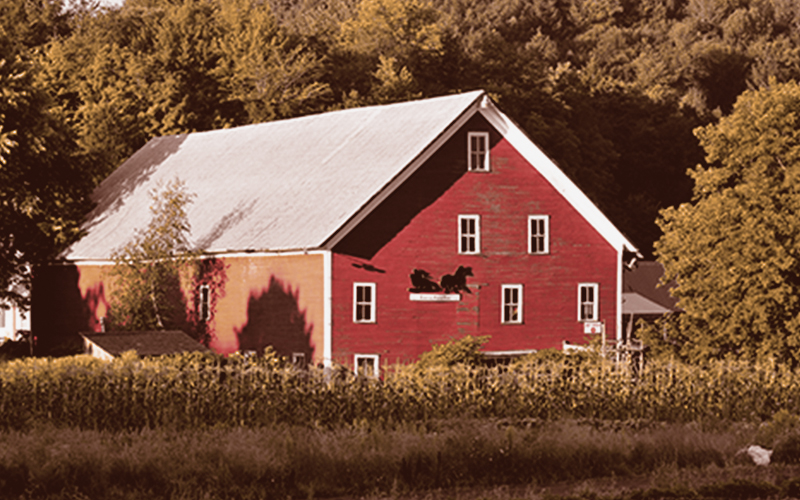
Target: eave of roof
x,y
556,177
146,343
634,303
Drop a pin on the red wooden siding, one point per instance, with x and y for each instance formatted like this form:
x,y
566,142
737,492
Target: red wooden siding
x,y
416,227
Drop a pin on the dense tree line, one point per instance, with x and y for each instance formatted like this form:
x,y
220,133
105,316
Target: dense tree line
x,y
611,89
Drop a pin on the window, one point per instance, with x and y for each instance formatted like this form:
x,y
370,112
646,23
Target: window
x,y
538,234
512,304
364,302
2,317
203,303
478,151
469,234
299,359
366,365
587,302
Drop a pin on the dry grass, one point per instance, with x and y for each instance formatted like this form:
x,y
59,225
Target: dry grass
x,y
453,459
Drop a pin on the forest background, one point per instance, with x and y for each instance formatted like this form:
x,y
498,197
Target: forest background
x,y
611,89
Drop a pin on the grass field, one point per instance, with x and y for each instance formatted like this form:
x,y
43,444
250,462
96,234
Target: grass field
x,y
446,459
550,427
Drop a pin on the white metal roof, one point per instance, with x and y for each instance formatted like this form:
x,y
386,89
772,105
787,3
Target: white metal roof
x,y
283,185
297,184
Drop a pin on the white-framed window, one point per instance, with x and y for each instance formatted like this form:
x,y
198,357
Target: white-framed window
x,y
299,359
2,317
366,365
588,302
511,299
478,151
538,234
203,303
469,234
364,302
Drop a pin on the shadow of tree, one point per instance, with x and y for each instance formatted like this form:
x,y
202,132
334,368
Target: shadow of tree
x,y
134,172
58,310
274,319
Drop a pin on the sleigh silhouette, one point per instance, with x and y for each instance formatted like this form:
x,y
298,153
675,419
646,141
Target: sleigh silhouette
x,y
422,281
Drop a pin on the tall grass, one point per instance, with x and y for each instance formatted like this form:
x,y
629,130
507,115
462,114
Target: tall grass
x,y
196,391
291,461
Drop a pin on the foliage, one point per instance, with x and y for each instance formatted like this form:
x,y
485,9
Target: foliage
x,y
155,68
610,89
466,350
44,183
147,270
732,249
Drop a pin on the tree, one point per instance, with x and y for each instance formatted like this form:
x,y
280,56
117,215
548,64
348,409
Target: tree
x,y
735,248
148,269
44,184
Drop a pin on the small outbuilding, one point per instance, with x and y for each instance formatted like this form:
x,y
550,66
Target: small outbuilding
x,y
644,296
109,345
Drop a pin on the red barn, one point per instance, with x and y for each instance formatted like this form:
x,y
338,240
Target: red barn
x,y
361,236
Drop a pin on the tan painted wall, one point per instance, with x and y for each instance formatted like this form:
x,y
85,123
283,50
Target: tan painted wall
x,y
262,300
264,290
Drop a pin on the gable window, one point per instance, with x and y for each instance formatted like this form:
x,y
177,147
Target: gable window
x,y
588,302
469,234
511,304
203,303
478,151
364,302
366,365
538,234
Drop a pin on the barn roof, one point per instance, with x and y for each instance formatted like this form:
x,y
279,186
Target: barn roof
x,y
146,343
643,293
294,184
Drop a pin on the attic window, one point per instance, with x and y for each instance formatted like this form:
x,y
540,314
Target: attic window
x,y
538,234
478,151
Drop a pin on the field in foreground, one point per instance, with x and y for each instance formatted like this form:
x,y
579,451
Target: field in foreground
x,y
467,459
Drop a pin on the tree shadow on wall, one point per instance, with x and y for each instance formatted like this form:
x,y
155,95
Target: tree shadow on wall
x,y
274,319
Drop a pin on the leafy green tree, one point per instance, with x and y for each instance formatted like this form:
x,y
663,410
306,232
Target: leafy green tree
x,y
735,249
147,271
44,184
263,71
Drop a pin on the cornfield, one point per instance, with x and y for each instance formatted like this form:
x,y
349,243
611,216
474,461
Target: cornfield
x,y
204,391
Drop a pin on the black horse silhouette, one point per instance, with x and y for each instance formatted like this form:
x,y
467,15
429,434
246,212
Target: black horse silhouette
x,y
453,283
423,283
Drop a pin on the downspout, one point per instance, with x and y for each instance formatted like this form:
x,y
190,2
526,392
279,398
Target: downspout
x,y
327,308
618,323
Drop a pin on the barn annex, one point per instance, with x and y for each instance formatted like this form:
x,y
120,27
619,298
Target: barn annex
x,y
360,237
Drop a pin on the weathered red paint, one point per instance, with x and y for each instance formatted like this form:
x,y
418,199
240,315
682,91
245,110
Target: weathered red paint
x,y
504,198
280,299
